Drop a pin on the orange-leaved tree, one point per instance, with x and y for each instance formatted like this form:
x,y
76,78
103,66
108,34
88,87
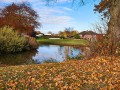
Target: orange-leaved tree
x,y
19,16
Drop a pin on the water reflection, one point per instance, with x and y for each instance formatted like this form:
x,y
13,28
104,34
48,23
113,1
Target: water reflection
x,y
18,58
56,53
45,53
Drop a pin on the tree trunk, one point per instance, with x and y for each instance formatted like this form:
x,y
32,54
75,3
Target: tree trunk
x,y
114,26
114,23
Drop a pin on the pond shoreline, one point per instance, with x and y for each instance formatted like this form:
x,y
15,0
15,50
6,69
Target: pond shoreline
x,y
64,42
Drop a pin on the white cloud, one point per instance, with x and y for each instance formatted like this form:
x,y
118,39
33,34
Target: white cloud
x,y
67,9
61,20
54,15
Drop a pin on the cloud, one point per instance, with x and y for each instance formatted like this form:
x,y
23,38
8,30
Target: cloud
x,y
54,15
51,10
61,20
67,9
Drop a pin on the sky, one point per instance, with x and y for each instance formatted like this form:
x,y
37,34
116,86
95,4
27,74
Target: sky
x,y
57,16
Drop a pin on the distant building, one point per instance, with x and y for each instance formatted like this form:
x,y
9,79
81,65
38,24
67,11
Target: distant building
x,y
47,34
90,35
39,34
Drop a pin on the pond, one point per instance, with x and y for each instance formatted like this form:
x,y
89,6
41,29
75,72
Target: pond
x,y
44,54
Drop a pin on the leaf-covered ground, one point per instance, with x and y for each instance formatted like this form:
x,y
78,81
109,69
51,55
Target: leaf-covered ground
x,y
94,74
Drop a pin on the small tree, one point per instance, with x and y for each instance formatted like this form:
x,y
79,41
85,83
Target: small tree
x,y
67,31
19,16
76,36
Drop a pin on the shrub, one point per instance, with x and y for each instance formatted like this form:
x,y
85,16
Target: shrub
x,y
11,41
106,46
62,37
76,36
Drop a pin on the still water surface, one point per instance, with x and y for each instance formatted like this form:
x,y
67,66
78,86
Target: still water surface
x,y
44,53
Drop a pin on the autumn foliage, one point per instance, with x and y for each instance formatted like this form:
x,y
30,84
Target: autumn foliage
x,y
19,16
104,7
95,74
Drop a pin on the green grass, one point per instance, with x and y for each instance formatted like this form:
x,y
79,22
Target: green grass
x,y
74,42
95,74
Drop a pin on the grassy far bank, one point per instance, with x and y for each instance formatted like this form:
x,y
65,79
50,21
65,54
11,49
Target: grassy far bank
x,y
74,42
94,74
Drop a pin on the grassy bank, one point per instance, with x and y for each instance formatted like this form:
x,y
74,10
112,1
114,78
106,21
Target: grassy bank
x,y
94,74
79,42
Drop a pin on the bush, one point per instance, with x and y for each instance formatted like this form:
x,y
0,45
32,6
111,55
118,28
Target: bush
x,y
11,41
76,36
62,37
106,46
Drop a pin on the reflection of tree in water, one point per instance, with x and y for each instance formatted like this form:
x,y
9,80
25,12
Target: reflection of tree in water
x,y
18,58
72,53
60,50
63,51
66,49
69,52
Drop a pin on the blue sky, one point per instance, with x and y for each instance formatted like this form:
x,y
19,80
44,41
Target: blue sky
x,y
57,16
